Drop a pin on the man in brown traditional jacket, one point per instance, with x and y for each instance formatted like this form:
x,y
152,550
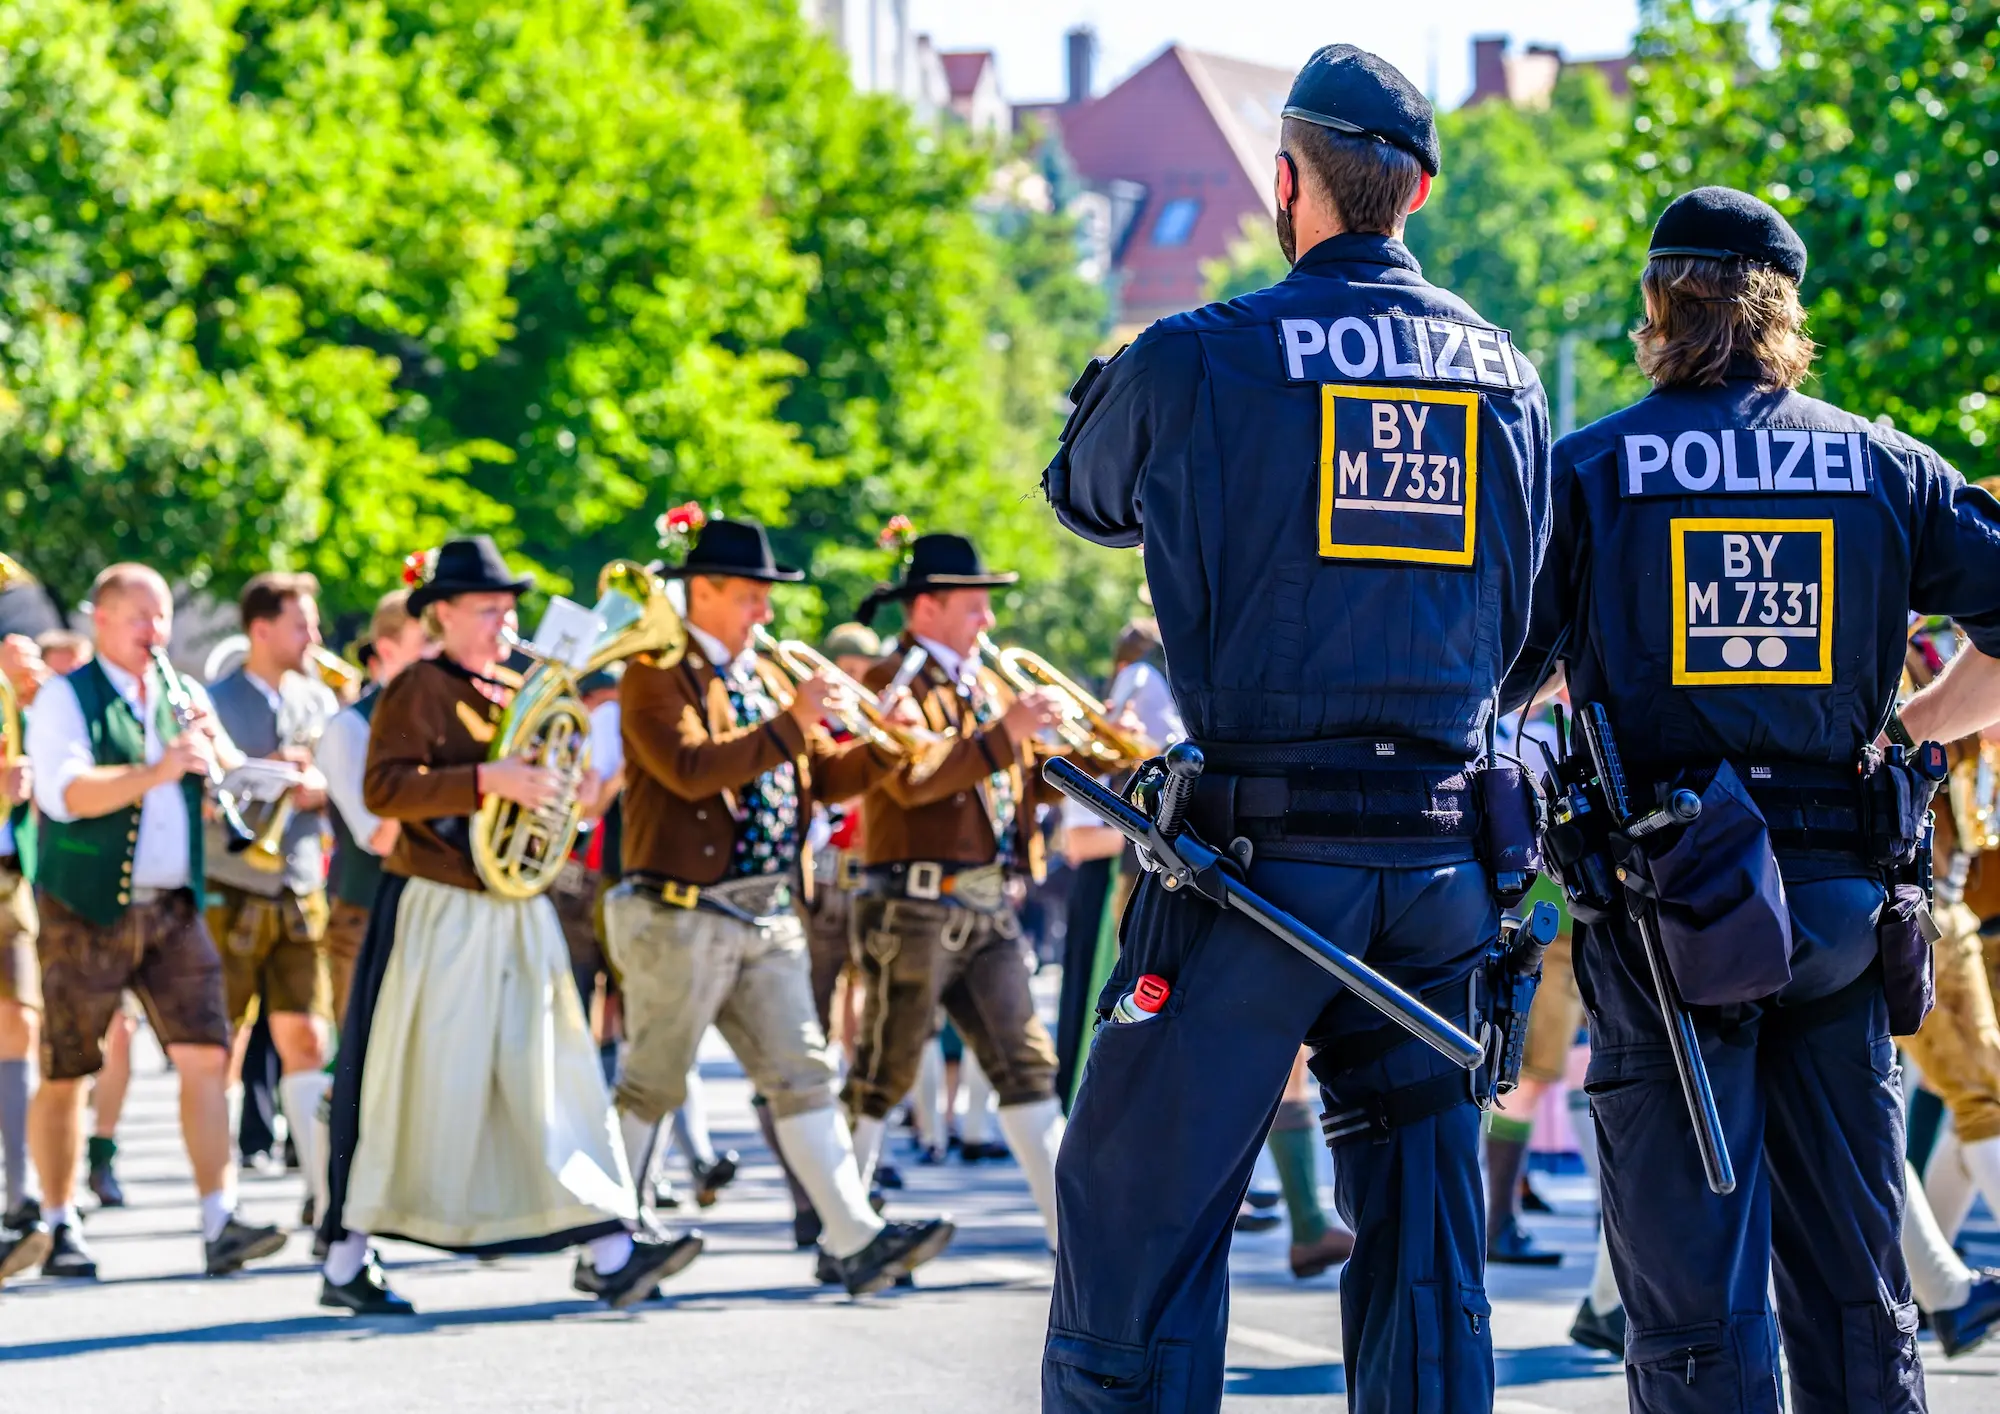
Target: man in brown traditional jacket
x,y
932,921
723,760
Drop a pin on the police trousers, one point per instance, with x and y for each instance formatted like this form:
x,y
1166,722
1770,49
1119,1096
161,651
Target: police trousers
x,y
1809,1096
1171,1113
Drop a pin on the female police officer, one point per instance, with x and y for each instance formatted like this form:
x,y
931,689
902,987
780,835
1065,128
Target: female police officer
x,y
1341,482
1730,574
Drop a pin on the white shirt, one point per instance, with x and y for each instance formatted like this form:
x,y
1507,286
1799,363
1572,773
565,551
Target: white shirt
x,y
740,669
960,668
607,746
1143,688
59,749
342,759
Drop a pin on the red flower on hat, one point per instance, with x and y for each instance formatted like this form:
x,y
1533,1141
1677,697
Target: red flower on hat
x,y
418,566
897,534
677,528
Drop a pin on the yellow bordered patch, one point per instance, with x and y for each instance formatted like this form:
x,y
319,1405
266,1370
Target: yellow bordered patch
x,y
1753,602
1398,474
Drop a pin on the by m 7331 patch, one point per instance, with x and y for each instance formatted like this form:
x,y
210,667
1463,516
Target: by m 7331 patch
x,y
1753,602
1398,474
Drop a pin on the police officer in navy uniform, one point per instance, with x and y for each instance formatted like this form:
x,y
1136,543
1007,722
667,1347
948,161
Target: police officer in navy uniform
x,y
1730,575
1341,483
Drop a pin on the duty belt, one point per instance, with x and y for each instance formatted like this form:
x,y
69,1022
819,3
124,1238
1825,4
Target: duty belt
x,y
1286,799
749,900
1805,806
980,887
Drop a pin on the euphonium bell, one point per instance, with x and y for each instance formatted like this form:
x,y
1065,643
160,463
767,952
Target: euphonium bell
x,y
517,851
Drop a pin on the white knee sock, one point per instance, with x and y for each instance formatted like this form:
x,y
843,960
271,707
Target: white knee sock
x,y
300,1094
1981,1160
235,1095
817,1147
1938,1279
927,1101
691,1123
610,1253
977,1126
1034,1132
346,1258
867,1144
1948,1186
637,1135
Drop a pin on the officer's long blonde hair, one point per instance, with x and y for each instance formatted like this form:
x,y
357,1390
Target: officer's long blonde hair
x,y
1701,313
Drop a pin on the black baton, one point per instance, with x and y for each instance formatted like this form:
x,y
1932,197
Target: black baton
x,y
1186,863
1684,806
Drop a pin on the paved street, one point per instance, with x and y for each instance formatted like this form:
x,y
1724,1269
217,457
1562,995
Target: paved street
x,y
741,1330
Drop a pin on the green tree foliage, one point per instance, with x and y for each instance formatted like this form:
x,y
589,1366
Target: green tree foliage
x,y
307,284
1875,127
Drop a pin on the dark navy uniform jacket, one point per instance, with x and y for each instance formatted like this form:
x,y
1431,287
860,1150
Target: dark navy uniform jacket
x,y
1341,483
1735,569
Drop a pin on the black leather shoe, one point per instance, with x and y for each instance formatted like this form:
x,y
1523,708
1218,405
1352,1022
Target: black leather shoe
x,y
1605,1332
898,1249
22,1250
23,1215
980,1153
889,1177
238,1243
1262,1199
367,1295
309,1214
104,1186
653,1260
1511,1246
806,1229
711,1179
1531,1201
68,1257
1960,1330
826,1268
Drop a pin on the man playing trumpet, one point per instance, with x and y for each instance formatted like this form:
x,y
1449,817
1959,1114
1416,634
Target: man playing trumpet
x,y
724,757
267,909
932,920
119,781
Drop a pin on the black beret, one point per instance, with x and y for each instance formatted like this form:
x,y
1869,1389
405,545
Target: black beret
x,y
1720,222
1352,91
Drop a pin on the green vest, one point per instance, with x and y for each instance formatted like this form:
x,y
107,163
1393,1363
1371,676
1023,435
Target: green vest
x,y
87,864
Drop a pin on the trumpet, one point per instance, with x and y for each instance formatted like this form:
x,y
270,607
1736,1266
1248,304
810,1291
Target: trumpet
x,y
335,671
181,702
1086,727
869,719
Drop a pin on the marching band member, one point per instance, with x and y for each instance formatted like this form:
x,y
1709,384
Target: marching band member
x,y
469,1113
932,922
119,888
723,759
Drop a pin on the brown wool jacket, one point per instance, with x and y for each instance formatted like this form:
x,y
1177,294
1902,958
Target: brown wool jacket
x,y
431,730
686,757
946,818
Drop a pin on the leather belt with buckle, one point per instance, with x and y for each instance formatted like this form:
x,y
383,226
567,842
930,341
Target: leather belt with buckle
x,y
746,900
837,869
982,887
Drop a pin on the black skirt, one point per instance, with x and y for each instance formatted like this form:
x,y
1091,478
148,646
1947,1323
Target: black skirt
x,y
369,970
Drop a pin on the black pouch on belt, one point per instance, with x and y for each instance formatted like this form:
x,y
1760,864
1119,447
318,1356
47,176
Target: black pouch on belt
x,y
1904,933
1723,920
1509,830
1897,810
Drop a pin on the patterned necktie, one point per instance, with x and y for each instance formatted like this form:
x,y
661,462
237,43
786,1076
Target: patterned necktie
x,y
767,836
998,789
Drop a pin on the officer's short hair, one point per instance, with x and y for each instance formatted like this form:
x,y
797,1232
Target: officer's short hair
x,y
1701,313
1371,184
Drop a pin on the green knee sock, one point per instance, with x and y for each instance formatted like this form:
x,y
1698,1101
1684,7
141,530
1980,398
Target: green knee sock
x,y
1294,1145
101,1151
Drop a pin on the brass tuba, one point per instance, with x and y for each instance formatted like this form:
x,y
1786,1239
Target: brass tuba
x,y
517,851
925,750
1086,727
12,739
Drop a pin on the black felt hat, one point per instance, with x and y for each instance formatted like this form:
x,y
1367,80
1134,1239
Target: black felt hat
x,y
1352,91
937,564
736,549
469,566
1721,223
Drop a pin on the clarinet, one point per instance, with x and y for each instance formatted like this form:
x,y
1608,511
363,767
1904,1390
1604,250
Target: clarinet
x,y
181,702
